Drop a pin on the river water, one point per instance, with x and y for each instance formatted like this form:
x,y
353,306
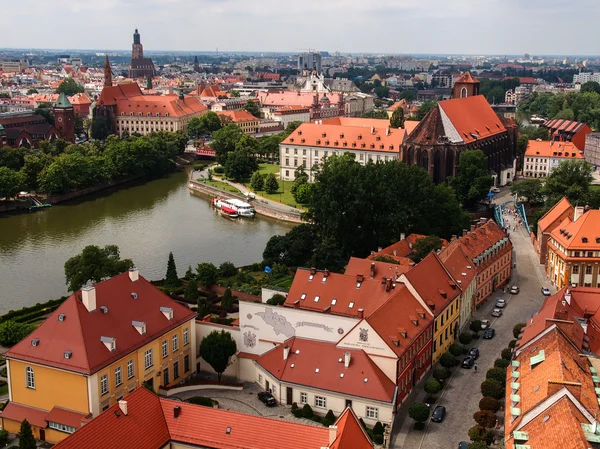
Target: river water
x,y
144,221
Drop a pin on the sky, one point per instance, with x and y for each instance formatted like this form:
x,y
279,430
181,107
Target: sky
x,y
556,27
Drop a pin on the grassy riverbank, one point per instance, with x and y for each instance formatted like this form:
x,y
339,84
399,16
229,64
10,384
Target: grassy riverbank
x,y
284,194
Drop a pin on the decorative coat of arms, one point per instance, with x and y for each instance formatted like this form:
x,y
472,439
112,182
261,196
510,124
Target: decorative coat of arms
x,y
249,339
364,335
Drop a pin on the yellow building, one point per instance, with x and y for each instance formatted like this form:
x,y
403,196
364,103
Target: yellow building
x,y
101,344
436,289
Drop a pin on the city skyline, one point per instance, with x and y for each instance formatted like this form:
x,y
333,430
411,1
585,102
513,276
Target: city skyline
x,y
431,27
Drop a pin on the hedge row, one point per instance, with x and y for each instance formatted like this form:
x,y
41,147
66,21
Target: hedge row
x,y
17,315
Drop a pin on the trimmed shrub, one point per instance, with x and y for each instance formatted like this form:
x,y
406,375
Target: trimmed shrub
x,y
276,300
498,374
478,445
489,403
330,416
447,360
294,406
201,400
418,411
492,388
378,428
316,418
455,350
219,170
362,423
432,387
378,439
326,422
227,299
506,353
465,338
441,373
307,411
475,326
297,413
485,418
512,344
501,363
517,329
477,433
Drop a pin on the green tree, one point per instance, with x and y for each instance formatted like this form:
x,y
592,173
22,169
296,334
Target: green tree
x,y
216,349
195,128
11,182
477,445
447,360
26,439
253,108
291,127
397,118
293,249
171,278
227,299
70,87
473,181
191,290
13,158
517,329
477,433
276,300
239,165
99,127
12,332
32,91
502,363
149,82
455,349
489,403
492,388
528,190
441,373
378,113
94,264
432,387
303,193
418,411
257,181
3,437
425,108
485,418
234,94
498,374
572,178
475,326
207,274
225,140
590,86
496,95
271,184
506,354
203,307
465,338
227,269
425,245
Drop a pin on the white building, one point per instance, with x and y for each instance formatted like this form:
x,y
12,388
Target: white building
x,y
584,77
289,114
543,156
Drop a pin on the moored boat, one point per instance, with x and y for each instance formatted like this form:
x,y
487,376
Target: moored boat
x,y
242,208
228,211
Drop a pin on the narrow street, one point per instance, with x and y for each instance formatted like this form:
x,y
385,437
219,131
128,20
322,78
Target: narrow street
x,y
462,392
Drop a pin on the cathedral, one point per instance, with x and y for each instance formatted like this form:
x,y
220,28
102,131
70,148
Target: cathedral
x,y
140,67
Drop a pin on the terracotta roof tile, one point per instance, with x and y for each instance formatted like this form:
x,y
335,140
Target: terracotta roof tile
x,y
351,435
17,412
67,417
480,239
554,214
582,234
357,266
239,116
550,149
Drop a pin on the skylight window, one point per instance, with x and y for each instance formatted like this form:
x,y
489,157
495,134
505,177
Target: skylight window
x,y
366,379
341,374
317,298
297,351
316,370
303,296
333,301
351,305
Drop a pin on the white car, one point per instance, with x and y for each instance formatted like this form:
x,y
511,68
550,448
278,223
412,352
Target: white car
x,y
497,312
485,324
495,190
500,303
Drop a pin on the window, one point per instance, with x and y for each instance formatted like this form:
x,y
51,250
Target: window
x,y
590,254
372,412
130,369
165,348
166,376
260,379
588,269
148,359
186,337
576,269
104,384
175,370
186,363
118,376
105,407
61,427
30,378
320,402
175,342
303,398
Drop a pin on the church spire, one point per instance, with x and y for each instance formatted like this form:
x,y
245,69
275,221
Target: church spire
x,y
107,73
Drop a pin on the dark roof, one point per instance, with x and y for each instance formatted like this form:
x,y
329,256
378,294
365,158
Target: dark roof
x,y
63,102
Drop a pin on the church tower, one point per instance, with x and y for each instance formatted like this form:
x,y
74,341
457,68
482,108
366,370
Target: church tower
x,y
196,64
64,115
137,49
107,73
465,86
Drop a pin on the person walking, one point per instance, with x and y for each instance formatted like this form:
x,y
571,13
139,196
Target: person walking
x,y
475,367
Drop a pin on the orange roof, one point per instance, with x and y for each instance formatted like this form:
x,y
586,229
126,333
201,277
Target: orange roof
x,y
212,91
483,237
340,137
357,266
80,331
291,109
151,105
361,122
286,98
67,417
80,99
555,213
320,365
350,434
472,116
402,103
583,234
457,263
17,412
550,149
239,116
467,78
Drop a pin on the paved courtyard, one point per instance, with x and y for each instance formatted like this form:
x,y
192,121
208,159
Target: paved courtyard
x,y
462,394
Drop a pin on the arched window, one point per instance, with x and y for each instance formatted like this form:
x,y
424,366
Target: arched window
x,y
29,377
463,92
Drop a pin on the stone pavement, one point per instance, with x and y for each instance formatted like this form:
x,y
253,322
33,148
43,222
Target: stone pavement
x,y
462,394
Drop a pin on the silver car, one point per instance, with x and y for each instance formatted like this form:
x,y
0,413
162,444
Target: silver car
x,y
497,312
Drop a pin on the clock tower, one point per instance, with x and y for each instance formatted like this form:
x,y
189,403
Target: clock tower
x,y
64,118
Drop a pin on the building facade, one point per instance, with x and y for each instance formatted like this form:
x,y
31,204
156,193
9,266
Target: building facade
x,y
289,114
545,225
568,131
543,156
140,67
246,121
592,149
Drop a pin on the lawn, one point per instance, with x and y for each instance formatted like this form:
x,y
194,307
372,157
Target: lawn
x,y
284,194
220,185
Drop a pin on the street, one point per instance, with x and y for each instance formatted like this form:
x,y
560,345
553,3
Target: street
x,y
462,392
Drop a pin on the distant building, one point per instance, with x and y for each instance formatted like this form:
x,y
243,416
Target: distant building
x,y
14,66
584,77
592,149
311,60
568,131
289,114
246,121
140,67
543,156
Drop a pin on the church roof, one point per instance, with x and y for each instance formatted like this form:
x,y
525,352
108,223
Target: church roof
x,y
467,78
63,102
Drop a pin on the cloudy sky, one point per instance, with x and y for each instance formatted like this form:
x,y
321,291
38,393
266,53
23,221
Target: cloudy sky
x,y
391,26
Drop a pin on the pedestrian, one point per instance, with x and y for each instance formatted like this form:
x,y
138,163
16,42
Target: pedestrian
x,y
475,367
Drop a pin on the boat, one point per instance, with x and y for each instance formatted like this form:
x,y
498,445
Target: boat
x,y
242,208
228,212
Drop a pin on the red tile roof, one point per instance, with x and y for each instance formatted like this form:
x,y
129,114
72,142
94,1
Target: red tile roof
x,y
357,266
467,78
317,364
292,109
472,116
555,213
80,331
67,417
351,435
458,263
480,239
564,126
287,98
548,148
17,412
239,116
582,234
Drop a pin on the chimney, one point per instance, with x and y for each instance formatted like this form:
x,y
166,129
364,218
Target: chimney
x,y
388,284
387,131
325,273
453,238
361,313
123,406
472,228
464,232
134,274
88,297
176,411
372,270
578,212
372,130
313,271
347,357
286,352
379,248
568,296
402,236
332,434
359,278
395,253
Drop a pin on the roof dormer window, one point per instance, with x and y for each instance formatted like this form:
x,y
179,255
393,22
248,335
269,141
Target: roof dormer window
x,y
167,312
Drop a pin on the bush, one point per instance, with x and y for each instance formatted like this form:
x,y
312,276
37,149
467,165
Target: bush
x,y
485,418
517,329
477,433
455,350
227,269
378,428
465,338
330,416
294,406
276,300
315,418
478,445
506,353
191,290
11,332
501,363
227,299
498,374
418,411
199,167
297,413
219,170
201,400
377,439
447,360
3,437
512,344
326,422
489,403
492,388
441,373
307,411
475,326
432,387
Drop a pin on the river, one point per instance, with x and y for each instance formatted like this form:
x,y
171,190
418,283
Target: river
x,y
145,221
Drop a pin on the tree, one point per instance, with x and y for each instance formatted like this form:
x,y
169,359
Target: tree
x,y
26,439
498,374
522,144
303,193
397,119
425,108
207,274
441,373
517,329
3,437
480,434
253,108
506,354
227,299
455,350
475,326
257,181
425,245
432,387
489,403
227,269
478,445
501,363
271,184
300,178
379,114
70,87
473,181
572,179
492,388
234,94
276,300
11,182
12,332
203,307
32,91
94,264
447,360
189,274
496,95
239,165
307,411
528,190
216,349
99,127
224,141
191,290
418,411
291,127
485,418
590,86
171,278
465,338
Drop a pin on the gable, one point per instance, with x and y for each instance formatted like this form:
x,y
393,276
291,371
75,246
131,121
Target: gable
x,y
364,337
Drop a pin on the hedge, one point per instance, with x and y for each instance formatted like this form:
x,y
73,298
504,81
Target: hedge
x,y
11,315
201,400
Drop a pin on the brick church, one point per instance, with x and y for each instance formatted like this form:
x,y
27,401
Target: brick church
x,y
140,67
465,122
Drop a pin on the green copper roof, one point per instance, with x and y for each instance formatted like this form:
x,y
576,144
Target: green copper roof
x,y
63,102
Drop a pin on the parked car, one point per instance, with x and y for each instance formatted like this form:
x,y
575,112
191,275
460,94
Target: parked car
x,y
497,313
463,445
473,353
439,413
500,303
267,399
546,291
489,333
514,290
485,324
468,362
495,190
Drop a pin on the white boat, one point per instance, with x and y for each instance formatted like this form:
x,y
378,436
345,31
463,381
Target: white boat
x,y
242,208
